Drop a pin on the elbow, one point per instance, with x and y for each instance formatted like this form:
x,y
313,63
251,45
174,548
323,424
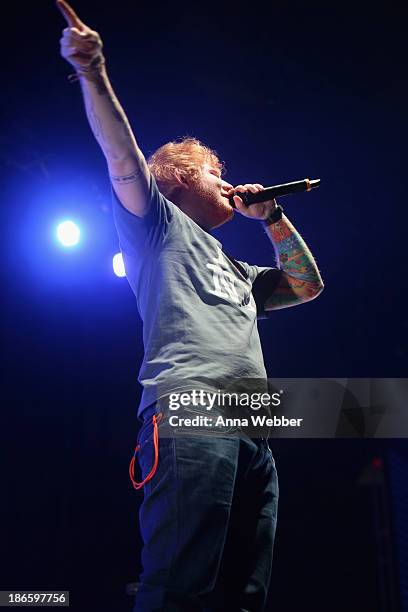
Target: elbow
x,y
316,290
320,287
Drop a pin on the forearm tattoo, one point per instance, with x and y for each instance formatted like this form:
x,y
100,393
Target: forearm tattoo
x,y
301,280
119,116
94,74
293,255
99,83
133,177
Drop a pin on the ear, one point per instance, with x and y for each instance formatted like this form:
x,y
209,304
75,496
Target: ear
x,y
183,180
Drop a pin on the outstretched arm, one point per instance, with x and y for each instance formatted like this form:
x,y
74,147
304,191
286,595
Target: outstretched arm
x,y
82,48
299,279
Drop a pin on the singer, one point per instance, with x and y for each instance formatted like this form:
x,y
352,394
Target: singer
x,y
209,511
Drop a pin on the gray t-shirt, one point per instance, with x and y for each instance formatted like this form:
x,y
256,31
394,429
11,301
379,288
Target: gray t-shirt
x,y
198,310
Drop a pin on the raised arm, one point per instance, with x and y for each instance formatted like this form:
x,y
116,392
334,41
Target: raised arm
x,y
128,170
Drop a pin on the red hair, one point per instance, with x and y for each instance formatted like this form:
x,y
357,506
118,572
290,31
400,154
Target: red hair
x,y
182,157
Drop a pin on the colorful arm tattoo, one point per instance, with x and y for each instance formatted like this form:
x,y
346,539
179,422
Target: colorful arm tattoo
x,y
300,280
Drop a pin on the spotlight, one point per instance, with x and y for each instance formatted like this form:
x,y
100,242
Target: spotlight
x,y
68,233
118,265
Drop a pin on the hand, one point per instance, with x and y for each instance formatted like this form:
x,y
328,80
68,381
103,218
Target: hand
x,y
80,46
255,211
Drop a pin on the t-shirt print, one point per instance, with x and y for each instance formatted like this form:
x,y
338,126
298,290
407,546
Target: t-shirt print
x,y
229,286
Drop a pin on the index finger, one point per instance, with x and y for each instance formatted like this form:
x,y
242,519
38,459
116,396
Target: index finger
x,y
70,15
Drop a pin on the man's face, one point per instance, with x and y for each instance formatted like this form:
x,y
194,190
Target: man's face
x,y
209,191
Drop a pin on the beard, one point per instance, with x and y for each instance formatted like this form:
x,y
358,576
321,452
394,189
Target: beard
x,y
214,208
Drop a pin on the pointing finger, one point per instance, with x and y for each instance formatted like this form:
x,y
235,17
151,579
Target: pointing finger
x,y
70,15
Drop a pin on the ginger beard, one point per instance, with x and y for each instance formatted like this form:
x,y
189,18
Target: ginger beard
x,y
213,208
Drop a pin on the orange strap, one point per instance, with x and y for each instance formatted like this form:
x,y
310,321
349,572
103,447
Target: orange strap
x,y
139,485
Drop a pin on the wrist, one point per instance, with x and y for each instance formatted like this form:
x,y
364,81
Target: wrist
x,y
96,69
273,216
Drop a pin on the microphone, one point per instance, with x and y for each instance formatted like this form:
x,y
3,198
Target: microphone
x,y
269,193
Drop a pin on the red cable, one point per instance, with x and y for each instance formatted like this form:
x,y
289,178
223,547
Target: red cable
x,y
139,485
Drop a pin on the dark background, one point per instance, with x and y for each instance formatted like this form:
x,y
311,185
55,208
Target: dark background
x,y
281,92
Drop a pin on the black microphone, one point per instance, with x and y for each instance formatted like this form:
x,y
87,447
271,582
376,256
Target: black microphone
x,y
269,193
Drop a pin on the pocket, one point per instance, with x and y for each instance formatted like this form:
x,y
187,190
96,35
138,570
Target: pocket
x,y
145,457
147,427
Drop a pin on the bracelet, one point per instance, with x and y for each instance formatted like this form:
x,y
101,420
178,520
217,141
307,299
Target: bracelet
x,y
274,217
99,60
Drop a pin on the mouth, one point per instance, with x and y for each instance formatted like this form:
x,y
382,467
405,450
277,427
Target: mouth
x,y
231,206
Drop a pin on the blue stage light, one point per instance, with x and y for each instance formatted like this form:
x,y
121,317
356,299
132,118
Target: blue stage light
x,y
118,265
68,233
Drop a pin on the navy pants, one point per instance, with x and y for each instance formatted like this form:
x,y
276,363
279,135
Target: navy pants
x,y
208,522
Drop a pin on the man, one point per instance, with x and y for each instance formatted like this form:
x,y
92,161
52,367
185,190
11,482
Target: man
x,y
208,517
